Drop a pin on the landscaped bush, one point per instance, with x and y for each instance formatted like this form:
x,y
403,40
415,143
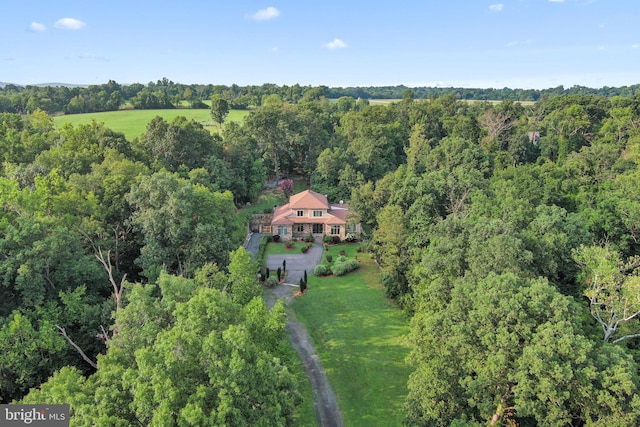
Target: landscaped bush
x,y
309,238
288,245
341,267
341,258
327,239
304,249
321,270
267,210
329,259
271,282
262,248
336,239
276,238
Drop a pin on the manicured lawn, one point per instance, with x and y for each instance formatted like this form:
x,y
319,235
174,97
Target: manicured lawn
x,y
274,248
133,123
360,338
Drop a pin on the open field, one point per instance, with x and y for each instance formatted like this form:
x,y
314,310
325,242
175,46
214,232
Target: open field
x,y
360,338
134,122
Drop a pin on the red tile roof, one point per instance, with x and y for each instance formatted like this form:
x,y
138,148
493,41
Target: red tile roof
x,y
310,200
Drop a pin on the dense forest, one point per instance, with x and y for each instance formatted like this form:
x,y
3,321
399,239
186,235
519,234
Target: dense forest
x,y
111,96
508,233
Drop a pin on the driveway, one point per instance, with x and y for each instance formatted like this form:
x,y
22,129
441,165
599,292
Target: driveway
x,y
324,400
297,263
252,243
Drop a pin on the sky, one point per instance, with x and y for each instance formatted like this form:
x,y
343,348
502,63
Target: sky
x,y
461,43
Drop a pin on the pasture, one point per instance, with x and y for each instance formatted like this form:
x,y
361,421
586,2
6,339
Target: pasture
x,y
133,123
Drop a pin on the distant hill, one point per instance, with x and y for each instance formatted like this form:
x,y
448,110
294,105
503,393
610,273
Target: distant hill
x,y
69,85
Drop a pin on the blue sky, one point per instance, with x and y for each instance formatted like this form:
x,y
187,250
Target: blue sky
x,y
468,43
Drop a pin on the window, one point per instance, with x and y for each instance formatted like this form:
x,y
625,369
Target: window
x,y
317,228
317,213
300,213
300,228
335,229
282,230
351,228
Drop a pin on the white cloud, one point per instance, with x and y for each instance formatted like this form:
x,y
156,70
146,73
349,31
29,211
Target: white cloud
x,y
92,56
496,7
335,44
69,24
515,43
556,1
636,45
37,27
266,14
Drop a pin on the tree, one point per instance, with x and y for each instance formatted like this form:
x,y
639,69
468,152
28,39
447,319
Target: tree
x,y
612,288
219,109
512,350
243,285
181,142
287,187
178,220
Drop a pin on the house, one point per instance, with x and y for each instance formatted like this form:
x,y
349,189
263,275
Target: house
x,y
309,212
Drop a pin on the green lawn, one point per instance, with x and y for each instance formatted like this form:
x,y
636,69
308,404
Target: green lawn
x,y
274,248
360,337
133,123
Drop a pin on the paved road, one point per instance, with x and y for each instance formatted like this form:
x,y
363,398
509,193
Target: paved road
x,y
253,243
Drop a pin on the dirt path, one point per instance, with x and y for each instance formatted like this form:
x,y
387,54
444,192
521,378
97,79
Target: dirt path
x,y
324,400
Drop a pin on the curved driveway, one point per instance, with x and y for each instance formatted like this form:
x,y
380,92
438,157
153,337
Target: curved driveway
x,y
324,400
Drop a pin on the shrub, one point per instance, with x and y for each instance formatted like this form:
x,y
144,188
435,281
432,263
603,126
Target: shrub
x,y
342,253
288,245
341,258
344,267
267,210
336,239
309,238
329,259
327,239
276,238
261,250
199,105
321,270
304,249
271,282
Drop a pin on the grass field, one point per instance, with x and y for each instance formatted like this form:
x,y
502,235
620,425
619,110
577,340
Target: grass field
x,y
360,338
133,123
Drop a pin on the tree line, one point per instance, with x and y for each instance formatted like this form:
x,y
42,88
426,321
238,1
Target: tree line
x,y
165,93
